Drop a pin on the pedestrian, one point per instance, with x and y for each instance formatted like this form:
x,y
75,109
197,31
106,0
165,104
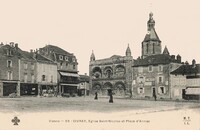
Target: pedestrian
x,y
155,97
96,96
111,96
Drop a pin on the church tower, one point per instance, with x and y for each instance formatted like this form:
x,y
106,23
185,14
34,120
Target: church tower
x,y
151,44
92,57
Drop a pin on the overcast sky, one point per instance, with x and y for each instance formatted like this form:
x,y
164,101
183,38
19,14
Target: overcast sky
x,y
105,26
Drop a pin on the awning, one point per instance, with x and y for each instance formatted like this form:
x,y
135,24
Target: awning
x,y
63,84
69,74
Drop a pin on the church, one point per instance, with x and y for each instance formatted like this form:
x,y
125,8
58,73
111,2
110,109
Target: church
x,y
113,73
144,77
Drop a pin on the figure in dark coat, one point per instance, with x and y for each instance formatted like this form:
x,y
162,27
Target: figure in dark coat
x,y
96,96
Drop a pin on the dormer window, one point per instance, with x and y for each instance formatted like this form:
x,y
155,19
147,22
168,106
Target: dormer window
x,y
66,58
73,60
60,57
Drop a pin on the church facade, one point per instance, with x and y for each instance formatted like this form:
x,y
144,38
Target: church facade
x,y
114,73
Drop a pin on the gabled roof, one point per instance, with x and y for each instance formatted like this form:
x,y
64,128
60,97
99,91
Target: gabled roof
x,y
153,60
42,58
57,49
26,55
187,69
165,51
151,36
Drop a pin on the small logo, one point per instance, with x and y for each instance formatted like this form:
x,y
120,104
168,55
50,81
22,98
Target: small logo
x,y
186,120
15,120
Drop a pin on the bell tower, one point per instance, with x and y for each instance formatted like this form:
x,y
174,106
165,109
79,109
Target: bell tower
x,y
151,44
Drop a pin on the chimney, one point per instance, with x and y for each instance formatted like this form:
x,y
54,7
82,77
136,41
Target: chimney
x,y
186,63
178,58
31,50
193,63
85,74
16,45
173,58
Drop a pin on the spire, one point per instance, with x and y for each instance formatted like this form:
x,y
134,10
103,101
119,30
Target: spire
x,y
151,32
165,51
151,22
128,51
92,57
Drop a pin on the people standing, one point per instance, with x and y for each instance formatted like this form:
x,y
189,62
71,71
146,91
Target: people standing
x,y
96,96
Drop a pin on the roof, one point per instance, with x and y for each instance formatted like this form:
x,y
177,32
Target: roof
x,y
26,55
42,58
187,69
115,56
84,78
151,36
57,49
165,51
153,60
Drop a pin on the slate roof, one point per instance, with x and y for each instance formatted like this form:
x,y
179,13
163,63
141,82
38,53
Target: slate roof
x,y
42,58
57,49
84,78
187,69
151,36
153,60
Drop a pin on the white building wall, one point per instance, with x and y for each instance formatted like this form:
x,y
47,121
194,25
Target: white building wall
x,y
48,70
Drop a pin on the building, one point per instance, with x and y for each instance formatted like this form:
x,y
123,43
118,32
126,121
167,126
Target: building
x,y
9,72
83,88
46,76
67,68
151,71
114,73
27,74
185,81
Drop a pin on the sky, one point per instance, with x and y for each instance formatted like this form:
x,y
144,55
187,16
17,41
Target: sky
x,y
105,26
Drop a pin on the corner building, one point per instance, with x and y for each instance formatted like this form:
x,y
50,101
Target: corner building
x,y
114,73
151,71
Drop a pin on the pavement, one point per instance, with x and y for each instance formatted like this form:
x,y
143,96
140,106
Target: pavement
x,y
85,104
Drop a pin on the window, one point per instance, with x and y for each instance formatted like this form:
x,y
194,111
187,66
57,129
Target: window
x,y
25,78
60,57
73,60
32,78
25,66
153,83
66,64
140,90
160,79
141,80
43,77
32,66
160,68
161,90
51,78
150,68
74,66
61,65
9,63
66,58
140,69
9,52
9,75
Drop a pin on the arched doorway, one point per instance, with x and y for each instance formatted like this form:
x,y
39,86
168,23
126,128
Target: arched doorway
x,y
96,88
107,86
119,89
